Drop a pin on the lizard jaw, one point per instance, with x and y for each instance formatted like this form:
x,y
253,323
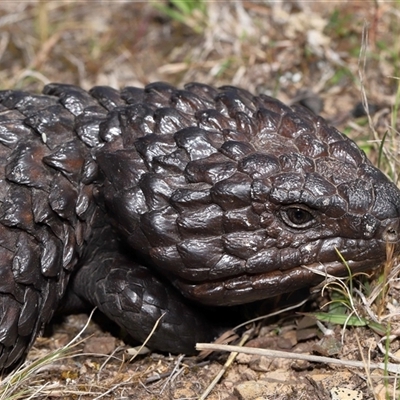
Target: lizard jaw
x,y
248,288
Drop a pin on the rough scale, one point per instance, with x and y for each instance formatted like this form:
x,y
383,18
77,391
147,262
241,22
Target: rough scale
x,y
142,201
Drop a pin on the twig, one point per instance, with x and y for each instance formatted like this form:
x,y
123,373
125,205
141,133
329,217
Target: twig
x,y
394,368
229,361
280,311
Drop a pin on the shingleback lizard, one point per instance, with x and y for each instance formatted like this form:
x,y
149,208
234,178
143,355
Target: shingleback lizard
x,y
144,201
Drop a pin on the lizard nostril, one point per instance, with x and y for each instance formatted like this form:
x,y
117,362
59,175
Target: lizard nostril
x,y
391,235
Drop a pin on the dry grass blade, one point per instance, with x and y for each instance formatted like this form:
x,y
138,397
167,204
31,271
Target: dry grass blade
x,y
394,368
11,386
385,281
361,74
141,348
263,317
227,364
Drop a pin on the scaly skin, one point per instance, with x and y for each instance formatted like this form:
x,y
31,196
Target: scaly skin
x,y
145,201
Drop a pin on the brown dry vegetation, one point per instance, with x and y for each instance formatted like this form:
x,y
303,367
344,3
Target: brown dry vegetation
x,y
290,49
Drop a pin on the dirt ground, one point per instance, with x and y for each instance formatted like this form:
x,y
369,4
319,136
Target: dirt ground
x,y
326,54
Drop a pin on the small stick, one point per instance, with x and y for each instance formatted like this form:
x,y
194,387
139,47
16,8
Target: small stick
x,y
296,356
229,361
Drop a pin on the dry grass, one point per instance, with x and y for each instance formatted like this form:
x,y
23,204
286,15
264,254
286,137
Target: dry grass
x,y
287,49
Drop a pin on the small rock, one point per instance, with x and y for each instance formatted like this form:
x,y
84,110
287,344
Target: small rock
x,y
340,393
247,373
100,345
306,334
279,376
261,364
250,390
284,344
328,346
266,342
291,336
243,358
184,393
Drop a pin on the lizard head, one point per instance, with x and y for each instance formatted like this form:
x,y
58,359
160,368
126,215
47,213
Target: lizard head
x,y
237,198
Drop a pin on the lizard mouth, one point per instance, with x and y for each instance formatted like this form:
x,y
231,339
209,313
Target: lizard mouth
x,y
247,288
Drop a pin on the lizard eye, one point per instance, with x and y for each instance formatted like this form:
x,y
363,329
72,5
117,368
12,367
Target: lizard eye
x,y
297,217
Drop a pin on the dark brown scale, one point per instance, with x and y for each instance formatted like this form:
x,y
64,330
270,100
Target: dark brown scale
x,y
155,190
73,98
152,146
7,284
15,210
110,128
50,253
68,158
199,255
227,265
350,154
327,134
313,148
244,244
267,122
162,201
29,313
235,100
22,167
87,125
158,94
197,142
108,97
132,95
54,122
159,227
258,165
127,164
213,120
136,121
170,120
236,150
189,102
296,163
211,169
206,92
206,220
246,124
174,163
25,102
269,103
190,198
12,129
62,198
26,260
233,193
241,219
43,213
235,136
